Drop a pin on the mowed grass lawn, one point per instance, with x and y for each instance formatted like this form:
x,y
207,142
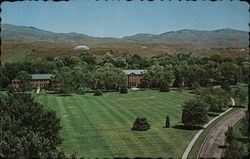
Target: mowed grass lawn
x,y
100,126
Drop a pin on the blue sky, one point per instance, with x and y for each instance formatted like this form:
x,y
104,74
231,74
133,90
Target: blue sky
x,y
115,18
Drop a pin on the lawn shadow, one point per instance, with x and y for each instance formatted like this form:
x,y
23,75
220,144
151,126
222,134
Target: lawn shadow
x,y
184,127
237,106
58,94
51,93
64,95
222,146
213,114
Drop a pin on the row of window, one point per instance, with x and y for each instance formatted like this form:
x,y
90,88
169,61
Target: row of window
x,y
134,80
132,84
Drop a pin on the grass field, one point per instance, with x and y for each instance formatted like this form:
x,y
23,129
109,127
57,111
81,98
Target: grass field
x,y
100,126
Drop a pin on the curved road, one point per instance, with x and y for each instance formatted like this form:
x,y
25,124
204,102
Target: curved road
x,y
190,145
210,147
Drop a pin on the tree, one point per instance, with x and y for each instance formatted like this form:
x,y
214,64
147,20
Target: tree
x,y
141,124
166,79
226,85
194,112
4,81
28,129
25,80
216,103
11,89
124,89
98,92
245,128
67,80
230,73
229,135
167,125
240,95
87,57
234,150
153,75
195,85
216,98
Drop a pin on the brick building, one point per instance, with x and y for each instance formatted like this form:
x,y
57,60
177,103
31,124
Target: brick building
x,y
134,77
37,81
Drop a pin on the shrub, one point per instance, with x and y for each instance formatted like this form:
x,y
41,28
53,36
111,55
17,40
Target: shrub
x,y
98,92
164,87
167,122
80,90
226,86
124,89
141,124
11,89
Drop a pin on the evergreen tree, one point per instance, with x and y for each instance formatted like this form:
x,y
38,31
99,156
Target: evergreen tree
x,y
167,122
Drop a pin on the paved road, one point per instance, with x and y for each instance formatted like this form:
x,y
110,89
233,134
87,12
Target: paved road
x,y
216,137
191,144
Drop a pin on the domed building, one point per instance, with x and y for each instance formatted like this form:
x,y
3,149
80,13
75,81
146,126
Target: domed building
x,y
81,47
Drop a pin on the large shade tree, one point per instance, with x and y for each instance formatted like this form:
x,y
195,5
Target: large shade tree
x,y
66,77
27,128
194,112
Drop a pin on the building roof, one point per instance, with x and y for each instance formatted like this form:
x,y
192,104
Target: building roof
x,y
41,76
137,72
81,47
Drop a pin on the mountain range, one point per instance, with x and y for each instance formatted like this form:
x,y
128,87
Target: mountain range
x,y
22,42
221,38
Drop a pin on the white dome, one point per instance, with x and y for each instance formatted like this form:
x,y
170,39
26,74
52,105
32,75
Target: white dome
x,y
81,47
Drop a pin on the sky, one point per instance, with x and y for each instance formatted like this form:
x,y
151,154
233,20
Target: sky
x,y
114,18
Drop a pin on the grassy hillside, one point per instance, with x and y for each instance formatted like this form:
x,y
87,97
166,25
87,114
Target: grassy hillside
x,y
100,126
15,50
19,43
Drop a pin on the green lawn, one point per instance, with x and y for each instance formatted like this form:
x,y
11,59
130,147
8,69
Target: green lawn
x,y
100,126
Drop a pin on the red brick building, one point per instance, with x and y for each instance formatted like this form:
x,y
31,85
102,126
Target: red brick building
x,y
134,77
37,81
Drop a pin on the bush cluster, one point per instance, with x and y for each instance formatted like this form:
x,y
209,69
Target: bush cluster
x,y
98,92
123,90
141,124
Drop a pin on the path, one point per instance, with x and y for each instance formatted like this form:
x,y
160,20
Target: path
x,y
38,90
189,147
210,147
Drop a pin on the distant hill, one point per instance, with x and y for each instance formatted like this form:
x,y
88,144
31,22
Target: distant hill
x,y
32,34
218,38
21,42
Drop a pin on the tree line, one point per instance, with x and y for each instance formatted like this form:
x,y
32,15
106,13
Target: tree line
x,y
104,72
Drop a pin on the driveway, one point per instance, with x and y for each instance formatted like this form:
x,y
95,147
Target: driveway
x,y
215,139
